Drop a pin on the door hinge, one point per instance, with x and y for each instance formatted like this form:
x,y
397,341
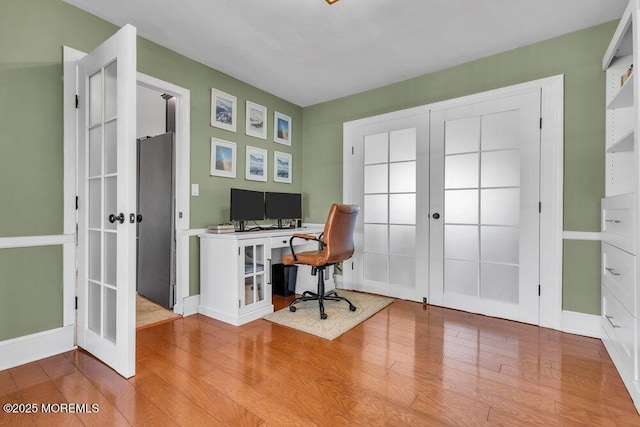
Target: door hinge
x,y
352,150
539,207
540,122
352,265
76,303
239,304
76,202
539,290
77,101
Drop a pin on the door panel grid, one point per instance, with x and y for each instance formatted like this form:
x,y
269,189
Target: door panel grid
x,y
390,207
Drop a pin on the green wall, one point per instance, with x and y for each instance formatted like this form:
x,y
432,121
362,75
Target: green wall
x,y
577,55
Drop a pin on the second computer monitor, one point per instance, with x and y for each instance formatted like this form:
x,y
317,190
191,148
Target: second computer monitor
x,y
281,206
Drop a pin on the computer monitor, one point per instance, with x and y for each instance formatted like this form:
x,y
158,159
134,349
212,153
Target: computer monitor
x,y
281,206
246,205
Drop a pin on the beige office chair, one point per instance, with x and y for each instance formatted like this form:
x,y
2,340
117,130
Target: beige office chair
x,y
335,245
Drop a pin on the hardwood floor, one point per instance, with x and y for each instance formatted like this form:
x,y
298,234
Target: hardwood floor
x,y
408,365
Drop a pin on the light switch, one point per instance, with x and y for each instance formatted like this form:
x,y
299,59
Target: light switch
x,y
195,189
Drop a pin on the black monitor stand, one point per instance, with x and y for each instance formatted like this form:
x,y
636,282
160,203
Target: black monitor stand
x,y
241,226
279,223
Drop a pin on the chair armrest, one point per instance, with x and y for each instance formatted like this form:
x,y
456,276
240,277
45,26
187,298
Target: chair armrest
x,y
305,237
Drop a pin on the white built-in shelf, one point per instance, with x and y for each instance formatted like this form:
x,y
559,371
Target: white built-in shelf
x,y
623,144
624,97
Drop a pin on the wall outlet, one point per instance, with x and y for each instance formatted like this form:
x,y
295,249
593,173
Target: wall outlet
x,y
195,189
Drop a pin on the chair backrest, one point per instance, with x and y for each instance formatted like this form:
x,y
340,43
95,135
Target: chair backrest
x,y
338,232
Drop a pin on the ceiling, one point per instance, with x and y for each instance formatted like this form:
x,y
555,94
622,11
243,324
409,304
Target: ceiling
x,y
307,51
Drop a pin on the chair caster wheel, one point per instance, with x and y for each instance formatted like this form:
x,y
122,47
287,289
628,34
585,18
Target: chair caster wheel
x,y
292,308
323,316
352,307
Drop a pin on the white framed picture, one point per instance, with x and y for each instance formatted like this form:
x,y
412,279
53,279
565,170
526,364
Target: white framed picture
x,y
281,128
256,167
223,110
256,122
282,167
223,158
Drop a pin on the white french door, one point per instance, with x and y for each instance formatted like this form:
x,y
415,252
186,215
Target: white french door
x,y
485,193
390,167
107,201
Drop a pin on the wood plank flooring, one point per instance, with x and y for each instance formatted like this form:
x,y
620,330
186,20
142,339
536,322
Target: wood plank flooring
x,y
408,365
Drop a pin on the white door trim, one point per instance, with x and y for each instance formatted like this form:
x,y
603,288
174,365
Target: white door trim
x,y
551,179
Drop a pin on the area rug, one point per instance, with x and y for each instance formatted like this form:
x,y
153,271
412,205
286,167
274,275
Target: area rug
x,y
339,318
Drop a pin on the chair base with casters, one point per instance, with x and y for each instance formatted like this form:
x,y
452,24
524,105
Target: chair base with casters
x,y
321,295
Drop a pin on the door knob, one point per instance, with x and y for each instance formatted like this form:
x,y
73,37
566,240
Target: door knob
x,y
436,215
113,218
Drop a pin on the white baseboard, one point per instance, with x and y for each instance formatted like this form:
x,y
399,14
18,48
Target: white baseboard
x,y
190,305
21,350
581,324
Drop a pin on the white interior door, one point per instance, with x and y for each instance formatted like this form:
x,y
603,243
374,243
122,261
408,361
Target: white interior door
x,y
106,201
390,184
485,174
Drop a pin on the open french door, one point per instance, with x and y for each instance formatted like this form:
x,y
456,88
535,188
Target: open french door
x,y
107,201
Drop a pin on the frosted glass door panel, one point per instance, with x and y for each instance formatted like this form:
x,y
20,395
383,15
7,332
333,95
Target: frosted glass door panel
x,y
461,206
376,208
110,90
501,130
95,302
402,209
404,145
462,135
110,310
501,244
501,169
461,277
499,282
461,171
377,238
461,242
376,179
95,98
402,177
402,270
500,207
110,146
389,211
110,254
376,148
402,240
375,267
95,151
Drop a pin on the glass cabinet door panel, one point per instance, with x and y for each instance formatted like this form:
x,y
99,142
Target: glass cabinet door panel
x,y
248,260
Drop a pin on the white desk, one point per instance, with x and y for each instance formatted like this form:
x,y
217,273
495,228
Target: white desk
x,y
235,271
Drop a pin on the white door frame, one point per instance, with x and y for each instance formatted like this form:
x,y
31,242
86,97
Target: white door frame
x,y
183,147
551,178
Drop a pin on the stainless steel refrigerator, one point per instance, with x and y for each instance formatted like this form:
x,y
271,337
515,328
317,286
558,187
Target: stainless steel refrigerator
x,y
156,230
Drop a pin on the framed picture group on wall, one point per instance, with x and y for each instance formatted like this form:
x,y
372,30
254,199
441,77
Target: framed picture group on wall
x,y
224,153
